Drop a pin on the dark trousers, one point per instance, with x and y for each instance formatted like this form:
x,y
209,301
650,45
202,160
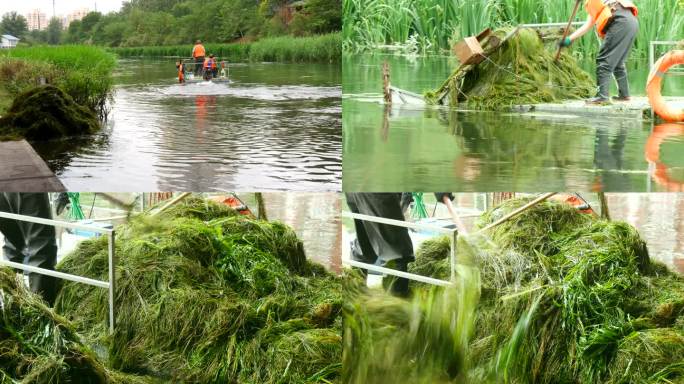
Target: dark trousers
x,y
199,65
620,37
381,244
29,243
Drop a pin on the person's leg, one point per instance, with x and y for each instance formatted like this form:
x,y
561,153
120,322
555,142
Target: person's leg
x,y
361,248
14,239
390,243
614,50
41,245
630,28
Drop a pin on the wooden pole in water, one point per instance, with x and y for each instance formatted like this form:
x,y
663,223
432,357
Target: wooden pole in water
x,y
518,211
567,28
261,207
605,214
386,83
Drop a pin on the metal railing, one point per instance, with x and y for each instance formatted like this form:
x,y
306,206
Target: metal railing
x,y
110,285
453,232
651,55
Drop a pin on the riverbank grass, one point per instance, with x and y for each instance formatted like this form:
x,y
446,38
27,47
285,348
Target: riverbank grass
x,y
83,72
321,48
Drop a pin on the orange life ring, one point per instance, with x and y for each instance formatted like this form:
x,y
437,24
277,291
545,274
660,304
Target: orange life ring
x,y
653,86
660,174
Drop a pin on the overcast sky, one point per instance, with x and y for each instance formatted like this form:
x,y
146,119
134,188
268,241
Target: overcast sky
x,y
63,7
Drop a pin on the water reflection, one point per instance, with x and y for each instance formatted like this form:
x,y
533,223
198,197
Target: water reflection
x,y
663,138
659,217
275,127
429,148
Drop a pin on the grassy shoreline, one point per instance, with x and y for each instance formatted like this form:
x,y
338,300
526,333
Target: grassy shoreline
x,y
83,72
321,48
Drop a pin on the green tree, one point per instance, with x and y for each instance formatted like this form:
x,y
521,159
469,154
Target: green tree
x,y
14,24
318,16
54,31
73,34
89,21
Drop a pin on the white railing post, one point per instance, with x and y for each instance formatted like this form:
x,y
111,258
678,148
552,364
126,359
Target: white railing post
x,y
110,233
411,276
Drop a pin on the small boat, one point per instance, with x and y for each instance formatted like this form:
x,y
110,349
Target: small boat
x,y
405,97
187,75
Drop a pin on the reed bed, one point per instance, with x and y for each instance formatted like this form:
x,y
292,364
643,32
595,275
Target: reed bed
x,y
435,25
322,48
551,296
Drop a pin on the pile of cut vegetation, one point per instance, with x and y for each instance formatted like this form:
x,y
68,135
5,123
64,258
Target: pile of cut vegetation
x,y
207,295
521,71
45,113
558,297
39,346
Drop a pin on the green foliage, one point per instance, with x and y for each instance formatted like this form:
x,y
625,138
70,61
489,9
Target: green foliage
x,y
82,72
156,23
207,295
39,346
13,24
522,71
322,48
54,31
45,113
565,298
436,24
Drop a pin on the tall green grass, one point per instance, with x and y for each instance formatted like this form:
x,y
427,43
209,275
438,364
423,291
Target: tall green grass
x,y
321,48
436,24
84,72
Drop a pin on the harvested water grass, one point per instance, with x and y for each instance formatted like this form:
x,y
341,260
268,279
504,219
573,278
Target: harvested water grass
x,y
564,297
39,346
45,113
522,71
207,295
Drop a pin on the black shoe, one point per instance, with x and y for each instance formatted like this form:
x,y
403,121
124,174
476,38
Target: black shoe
x,y
621,98
598,101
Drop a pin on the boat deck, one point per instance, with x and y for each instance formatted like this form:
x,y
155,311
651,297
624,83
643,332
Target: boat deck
x,y
23,170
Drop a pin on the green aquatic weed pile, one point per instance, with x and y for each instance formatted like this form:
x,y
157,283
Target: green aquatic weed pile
x,y
564,298
206,295
39,346
320,48
522,71
83,72
45,113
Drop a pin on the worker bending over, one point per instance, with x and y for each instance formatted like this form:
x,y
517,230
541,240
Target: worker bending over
x,y
210,68
384,245
198,53
617,25
30,243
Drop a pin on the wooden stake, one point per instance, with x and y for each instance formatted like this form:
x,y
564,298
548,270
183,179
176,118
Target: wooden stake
x,y
386,83
518,211
605,214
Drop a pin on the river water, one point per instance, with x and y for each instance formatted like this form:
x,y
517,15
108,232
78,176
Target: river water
x,y
432,148
273,127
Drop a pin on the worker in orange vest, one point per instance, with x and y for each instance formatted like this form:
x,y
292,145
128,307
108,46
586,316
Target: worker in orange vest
x,y
210,68
617,25
181,71
198,53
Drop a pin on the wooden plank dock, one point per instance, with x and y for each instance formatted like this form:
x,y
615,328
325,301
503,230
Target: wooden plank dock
x,y
22,170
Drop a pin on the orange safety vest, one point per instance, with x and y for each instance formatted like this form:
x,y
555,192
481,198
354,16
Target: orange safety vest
x,y
210,63
602,12
198,51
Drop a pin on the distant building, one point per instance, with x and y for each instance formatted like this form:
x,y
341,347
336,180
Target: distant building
x,y
37,20
9,41
76,15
